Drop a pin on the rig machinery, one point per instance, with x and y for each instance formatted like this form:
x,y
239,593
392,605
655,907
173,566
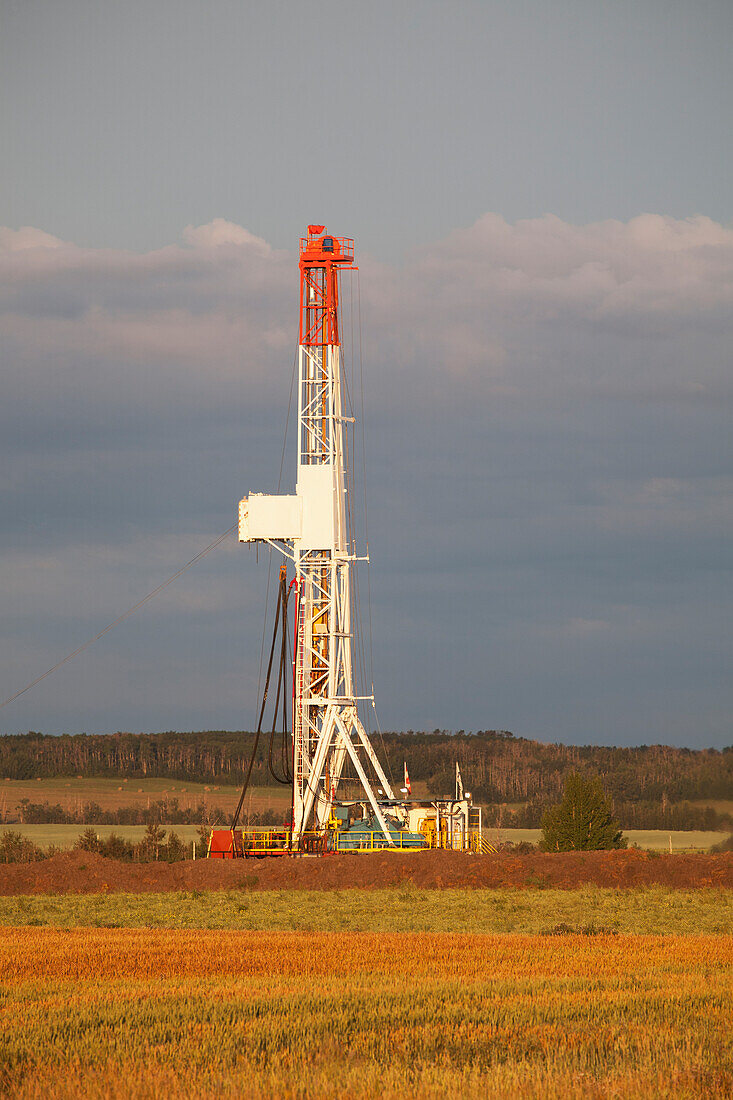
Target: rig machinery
x,y
310,529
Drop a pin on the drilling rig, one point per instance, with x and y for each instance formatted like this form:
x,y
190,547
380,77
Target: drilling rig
x,y
309,528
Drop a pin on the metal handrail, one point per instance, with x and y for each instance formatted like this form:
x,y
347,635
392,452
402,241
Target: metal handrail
x,y
263,839
343,247
481,845
368,841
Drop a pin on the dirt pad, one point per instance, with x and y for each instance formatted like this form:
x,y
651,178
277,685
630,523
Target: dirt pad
x,y
86,872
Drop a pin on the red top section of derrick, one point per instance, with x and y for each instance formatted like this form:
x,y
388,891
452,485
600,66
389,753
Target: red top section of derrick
x,y
319,248
322,256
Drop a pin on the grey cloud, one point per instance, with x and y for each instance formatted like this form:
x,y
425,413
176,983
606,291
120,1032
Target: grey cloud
x,y
549,472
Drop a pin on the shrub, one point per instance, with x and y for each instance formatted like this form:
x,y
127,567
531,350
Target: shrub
x,y
16,848
116,847
583,821
88,841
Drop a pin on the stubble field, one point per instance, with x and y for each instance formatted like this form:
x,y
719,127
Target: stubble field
x,y
120,1012
582,975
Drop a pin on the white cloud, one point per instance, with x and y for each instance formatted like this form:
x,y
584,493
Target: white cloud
x,y
17,240
219,232
545,268
484,302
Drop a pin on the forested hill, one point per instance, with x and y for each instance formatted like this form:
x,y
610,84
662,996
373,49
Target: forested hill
x,y
496,767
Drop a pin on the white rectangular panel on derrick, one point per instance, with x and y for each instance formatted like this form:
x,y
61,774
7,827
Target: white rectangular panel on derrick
x,y
316,490
269,517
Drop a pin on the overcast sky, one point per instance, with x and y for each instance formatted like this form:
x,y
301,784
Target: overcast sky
x,y
541,200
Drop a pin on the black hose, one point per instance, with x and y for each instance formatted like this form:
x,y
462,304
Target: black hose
x,y
286,672
282,681
237,812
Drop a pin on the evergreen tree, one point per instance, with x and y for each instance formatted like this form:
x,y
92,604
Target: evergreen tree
x,y
151,842
583,821
88,841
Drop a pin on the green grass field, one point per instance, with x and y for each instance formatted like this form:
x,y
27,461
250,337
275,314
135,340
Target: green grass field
x,y
653,839
405,909
65,836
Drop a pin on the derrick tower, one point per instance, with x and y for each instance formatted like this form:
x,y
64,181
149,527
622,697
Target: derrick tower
x,y
310,528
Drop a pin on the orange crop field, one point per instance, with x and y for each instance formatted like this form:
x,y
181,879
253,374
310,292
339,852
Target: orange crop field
x,y
72,793
113,1012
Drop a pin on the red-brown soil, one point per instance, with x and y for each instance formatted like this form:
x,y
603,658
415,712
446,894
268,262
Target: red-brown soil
x,y
85,872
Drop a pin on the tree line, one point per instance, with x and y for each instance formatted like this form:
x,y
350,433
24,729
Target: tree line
x,y
167,811
497,767
164,811
670,816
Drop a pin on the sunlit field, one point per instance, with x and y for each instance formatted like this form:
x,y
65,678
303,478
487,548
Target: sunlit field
x,y
148,1013
591,909
111,793
660,840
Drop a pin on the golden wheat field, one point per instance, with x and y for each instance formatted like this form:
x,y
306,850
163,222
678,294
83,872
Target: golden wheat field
x,y
106,1013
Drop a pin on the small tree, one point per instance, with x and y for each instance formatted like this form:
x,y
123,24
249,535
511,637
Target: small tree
x,y
154,837
209,819
16,848
88,841
116,847
583,821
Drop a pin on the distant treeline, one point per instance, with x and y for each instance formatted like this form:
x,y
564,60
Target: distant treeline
x,y
165,811
670,816
496,766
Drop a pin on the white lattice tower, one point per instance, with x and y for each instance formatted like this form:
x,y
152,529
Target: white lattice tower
x,y
310,527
